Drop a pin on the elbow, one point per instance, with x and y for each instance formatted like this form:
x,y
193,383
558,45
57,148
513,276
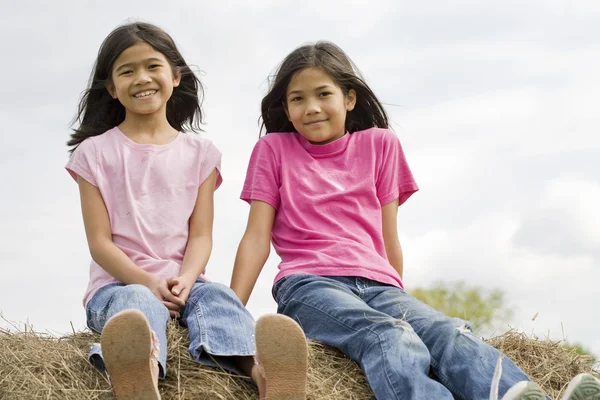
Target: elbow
x,y
264,249
98,247
260,245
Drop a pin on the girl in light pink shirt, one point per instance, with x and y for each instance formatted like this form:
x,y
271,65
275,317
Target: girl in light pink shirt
x,y
324,185
146,191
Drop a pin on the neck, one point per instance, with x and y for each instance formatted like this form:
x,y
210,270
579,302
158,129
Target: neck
x,y
153,125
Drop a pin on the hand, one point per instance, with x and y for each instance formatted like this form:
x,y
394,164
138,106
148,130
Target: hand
x,y
181,286
162,290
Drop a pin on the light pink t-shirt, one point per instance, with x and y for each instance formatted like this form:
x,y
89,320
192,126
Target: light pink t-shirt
x,y
328,200
149,191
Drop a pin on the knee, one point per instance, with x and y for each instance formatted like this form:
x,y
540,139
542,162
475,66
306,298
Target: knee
x,y
447,325
447,330
136,296
211,291
391,330
395,336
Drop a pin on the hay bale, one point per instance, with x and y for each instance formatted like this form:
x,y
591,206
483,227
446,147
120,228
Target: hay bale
x,y
39,366
546,362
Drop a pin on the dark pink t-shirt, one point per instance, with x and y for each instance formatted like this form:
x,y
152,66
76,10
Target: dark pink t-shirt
x,y
328,200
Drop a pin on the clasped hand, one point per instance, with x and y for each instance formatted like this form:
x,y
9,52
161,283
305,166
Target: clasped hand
x,y
172,292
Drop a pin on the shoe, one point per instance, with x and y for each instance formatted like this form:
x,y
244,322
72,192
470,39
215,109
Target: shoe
x,y
282,357
583,387
525,390
127,350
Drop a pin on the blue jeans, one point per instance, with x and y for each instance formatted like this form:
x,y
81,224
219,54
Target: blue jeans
x,y
395,338
219,325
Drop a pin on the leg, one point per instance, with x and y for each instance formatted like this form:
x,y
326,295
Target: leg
x,y
461,361
111,299
222,335
393,358
219,325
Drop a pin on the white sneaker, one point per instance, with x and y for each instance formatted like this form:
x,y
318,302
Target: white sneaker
x,y
583,387
525,390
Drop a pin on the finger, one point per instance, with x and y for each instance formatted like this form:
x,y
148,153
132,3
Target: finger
x,y
168,296
171,306
184,295
176,290
172,281
174,314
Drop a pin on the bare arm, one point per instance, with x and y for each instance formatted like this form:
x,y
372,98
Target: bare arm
x,y
199,245
389,217
105,252
253,250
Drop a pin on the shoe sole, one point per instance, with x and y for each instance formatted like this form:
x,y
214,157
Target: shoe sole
x,y
525,391
585,387
283,354
126,348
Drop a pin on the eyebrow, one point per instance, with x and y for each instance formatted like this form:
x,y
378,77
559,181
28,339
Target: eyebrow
x,y
151,59
316,89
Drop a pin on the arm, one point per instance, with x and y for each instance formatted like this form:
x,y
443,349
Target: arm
x,y
105,252
253,250
199,244
389,217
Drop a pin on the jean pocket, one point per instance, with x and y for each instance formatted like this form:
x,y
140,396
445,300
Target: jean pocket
x,y
277,289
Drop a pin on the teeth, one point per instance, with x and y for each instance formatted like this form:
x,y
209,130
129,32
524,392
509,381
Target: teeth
x,y
145,94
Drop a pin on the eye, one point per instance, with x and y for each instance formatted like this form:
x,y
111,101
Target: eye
x,y
127,72
325,94
153,66
295,99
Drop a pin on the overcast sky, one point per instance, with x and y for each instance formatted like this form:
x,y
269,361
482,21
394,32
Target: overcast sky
x,y
496,104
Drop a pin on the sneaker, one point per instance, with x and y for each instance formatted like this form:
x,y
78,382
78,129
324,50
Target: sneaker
x,y
128,350
583,387
525,390
282,357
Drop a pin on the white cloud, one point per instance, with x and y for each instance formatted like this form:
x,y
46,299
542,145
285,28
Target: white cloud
x,y
565,220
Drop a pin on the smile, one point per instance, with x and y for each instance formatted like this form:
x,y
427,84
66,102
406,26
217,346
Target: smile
x,y
315,122
144,94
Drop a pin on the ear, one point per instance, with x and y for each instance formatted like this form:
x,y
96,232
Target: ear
x,y
110,87
176,76
350,100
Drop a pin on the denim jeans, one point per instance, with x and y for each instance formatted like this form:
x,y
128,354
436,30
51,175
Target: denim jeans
x,y
218,324
395,338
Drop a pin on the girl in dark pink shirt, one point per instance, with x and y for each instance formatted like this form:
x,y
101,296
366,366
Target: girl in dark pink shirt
x,y
324,185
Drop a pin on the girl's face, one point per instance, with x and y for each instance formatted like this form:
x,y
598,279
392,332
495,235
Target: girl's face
x,y
143,80
317,107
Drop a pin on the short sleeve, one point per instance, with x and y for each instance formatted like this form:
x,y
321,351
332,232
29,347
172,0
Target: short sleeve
x,y
210,162
83,162
262,177
394,179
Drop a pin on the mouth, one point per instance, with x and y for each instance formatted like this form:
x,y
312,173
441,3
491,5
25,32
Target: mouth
x,y
145,94
311,123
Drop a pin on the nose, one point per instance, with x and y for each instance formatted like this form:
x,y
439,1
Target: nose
x,y
142,77
312,107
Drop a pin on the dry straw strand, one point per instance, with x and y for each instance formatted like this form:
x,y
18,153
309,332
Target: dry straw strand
x,y
39,366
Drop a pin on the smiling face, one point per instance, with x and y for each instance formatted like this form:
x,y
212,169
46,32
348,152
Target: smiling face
x,y
142,80
317,107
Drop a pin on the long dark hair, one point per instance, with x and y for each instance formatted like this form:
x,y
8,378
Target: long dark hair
x,y
368,111
99,112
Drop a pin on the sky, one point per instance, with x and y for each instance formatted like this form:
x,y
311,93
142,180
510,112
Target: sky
x,y
495,103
